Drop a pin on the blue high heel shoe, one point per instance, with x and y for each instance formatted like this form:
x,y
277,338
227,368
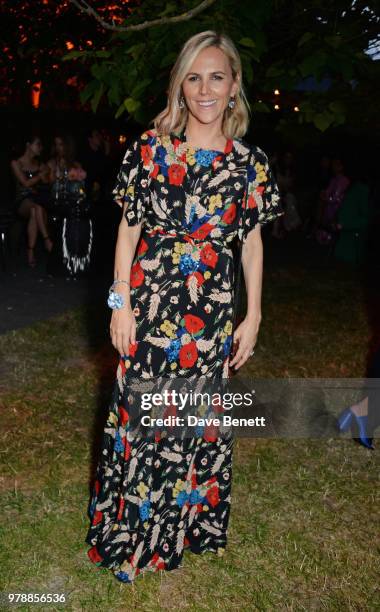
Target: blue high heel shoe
x,y
345,421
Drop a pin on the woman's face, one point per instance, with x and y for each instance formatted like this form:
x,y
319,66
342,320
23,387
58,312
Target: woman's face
x,y
35,147
59,146
208,86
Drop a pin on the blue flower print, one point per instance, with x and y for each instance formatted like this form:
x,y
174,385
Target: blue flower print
x,y
251,172
144,510
172,350
159,159
204,157
227,345
119,446
187,264
195,497
182,498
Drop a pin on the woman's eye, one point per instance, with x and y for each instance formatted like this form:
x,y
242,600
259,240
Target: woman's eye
x,y
193,78
218,77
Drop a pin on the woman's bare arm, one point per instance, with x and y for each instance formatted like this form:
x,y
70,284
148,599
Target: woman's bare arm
x,y
245,336
123,324
26,182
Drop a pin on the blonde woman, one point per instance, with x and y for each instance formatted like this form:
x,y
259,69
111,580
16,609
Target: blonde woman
x,y
183,188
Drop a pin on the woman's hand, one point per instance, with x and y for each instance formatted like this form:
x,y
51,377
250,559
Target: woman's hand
x,y
123,329
244,340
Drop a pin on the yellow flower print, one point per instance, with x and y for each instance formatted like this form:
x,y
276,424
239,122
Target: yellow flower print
x,y
173,365
228,327
205,508
220,551
190,158
223,336
259,167
142,490
131,190
214,202
207,274
178,487
179,247
175,258
144,136
168,328
261,177
160,178
112,419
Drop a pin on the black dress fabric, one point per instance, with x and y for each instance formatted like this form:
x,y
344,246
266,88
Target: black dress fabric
x,y
154,498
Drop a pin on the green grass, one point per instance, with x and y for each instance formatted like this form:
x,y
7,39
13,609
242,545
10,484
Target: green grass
x,y
305,514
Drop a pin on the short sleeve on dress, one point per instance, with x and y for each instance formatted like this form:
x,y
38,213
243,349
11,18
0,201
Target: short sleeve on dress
x,y
131,187
262,196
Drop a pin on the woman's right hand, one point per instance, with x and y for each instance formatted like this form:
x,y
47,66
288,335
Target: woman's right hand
x,y
123,329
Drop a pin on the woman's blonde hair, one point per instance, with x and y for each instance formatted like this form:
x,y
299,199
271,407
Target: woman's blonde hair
x,y
174,118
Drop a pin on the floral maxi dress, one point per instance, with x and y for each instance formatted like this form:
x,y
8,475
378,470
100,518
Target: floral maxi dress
x,y
153,498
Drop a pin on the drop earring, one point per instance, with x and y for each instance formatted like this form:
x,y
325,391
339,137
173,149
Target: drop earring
x,y
231,103
181,102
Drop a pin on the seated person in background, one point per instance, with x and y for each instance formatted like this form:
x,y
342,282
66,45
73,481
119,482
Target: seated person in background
x,y
62,164
31,174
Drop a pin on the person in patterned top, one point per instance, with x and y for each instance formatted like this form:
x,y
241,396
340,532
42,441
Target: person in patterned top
x,y
187,188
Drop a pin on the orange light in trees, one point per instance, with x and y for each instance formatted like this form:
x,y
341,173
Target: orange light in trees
x,y
35,94
122,138
296,109
276,92
69,45
276,107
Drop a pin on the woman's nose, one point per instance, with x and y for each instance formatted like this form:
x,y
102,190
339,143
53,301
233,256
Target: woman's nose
x,y
204,87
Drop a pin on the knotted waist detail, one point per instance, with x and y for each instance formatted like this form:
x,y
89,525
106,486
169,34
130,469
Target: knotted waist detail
x,y
181,234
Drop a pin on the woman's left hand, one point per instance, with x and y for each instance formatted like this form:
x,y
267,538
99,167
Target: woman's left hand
x,y
244,340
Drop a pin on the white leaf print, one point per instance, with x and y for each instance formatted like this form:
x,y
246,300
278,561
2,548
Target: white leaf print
x,y
119,377
210,529
225,285
156,208
218,463
161,342
241,148
204,345
123,537
223,297
193,289
137,553
180,539
171,456
154,538
132,468
149,264
222,176
200,210
163,204
193,512
153,306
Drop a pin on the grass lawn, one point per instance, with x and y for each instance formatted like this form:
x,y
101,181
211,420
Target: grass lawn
x,y
305,513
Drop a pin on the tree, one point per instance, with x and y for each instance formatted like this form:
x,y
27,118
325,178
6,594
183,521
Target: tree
x,y
293,47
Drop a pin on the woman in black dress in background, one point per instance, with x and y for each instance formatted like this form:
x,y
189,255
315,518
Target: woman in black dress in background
x,y
30,174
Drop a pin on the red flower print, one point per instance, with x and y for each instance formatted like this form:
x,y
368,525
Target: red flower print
x,y
210,433
228,147
146,154
121,508
230,214
127,450
188,355
260,189
209,256
143,247
132,349
97,517
137,275
94,555
124,417
97,486
155,171
252,201
193,324
202,231
176,173
213,496
198,276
